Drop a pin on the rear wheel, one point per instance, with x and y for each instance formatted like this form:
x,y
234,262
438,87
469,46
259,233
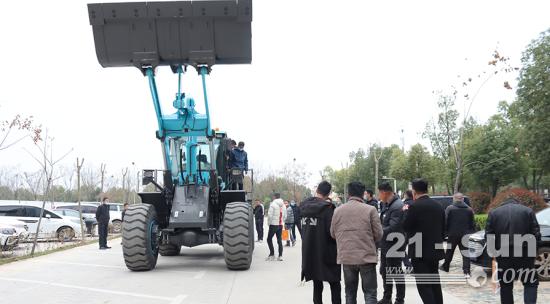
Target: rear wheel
x,y
542,263
169,249
65,234
238,235
140,237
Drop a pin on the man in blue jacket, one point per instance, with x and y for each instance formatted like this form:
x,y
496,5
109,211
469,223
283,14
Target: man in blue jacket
x,y
239,159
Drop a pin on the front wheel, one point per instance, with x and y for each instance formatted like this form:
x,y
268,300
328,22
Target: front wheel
x,y
117,226
140,237
238,235
542,263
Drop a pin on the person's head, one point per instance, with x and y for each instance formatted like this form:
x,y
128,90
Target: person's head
x,y
409,194
385,192
458,197
286,203
323,189
420,187
292,203
276,196
232,144
356,189
241,145
369,194
125,206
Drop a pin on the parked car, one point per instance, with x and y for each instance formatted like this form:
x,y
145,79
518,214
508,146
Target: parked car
x,y
74,215
20,227
52,225
89,209
479,256
8,237
447,200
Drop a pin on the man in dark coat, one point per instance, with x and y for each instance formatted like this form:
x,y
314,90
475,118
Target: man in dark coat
x,y
102,216
259,220
459,219
370,200
408,198
518,225
297,220
318,247
390,262
425,222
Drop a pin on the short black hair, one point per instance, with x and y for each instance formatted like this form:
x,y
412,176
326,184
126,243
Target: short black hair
x,y
370,192
233,142
420,185
277,195
324,188
385,186
104,199
356,189
241,143
125,204
409,194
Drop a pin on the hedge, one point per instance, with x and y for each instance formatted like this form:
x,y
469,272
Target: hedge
x,y
480,220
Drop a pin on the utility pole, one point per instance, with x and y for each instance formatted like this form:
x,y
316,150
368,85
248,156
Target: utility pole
x,y
294,178
78,168
402,140
376,163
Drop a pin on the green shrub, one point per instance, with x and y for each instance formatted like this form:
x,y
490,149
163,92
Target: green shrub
x,y
524,196
479,221
479,201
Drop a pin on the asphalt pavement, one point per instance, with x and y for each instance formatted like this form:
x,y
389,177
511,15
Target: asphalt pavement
x,y
198,275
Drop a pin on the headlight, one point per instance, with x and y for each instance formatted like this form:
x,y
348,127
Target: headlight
x,y
7,231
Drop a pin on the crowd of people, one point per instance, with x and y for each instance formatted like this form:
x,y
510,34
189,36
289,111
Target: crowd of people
x,y
352,238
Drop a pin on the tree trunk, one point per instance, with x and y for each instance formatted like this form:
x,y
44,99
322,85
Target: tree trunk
x,y
78,168
375,174
41,215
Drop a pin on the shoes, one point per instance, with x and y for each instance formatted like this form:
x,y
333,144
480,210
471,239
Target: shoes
x,y
107,247
384,301
102,248
293,243
399,302
442,268
280,259
270,258
467,276
260,241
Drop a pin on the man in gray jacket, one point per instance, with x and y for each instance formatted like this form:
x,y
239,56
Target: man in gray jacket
x,y
356,228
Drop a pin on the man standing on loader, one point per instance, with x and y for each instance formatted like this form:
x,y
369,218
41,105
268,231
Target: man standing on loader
x,y
239,160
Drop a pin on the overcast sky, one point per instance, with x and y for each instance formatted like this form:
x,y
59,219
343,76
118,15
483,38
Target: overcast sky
x,y
327,78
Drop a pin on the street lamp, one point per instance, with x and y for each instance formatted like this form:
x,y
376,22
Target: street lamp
x,y
394,182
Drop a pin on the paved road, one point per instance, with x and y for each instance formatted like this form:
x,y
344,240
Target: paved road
x,y
87,275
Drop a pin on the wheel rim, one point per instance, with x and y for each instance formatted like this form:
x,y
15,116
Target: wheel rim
x,y
542,263
64,234
153,232
117,227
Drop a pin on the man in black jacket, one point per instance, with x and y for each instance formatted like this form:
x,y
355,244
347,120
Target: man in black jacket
x,y
369,199
102,216
318,247
425,222
459,219
390,259
515,257
259,220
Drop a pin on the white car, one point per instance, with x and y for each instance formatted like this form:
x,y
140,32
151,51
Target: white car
x,y
20,227
8,237
88,211
52,225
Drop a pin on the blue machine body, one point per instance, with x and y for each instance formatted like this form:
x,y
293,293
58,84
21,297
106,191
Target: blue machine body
x,y
188,142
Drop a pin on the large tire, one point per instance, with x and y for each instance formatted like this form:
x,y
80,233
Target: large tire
x,y
140,237
238,235
169,249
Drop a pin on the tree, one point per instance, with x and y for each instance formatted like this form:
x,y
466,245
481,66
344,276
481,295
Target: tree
x,y
491,154
533,105
19,124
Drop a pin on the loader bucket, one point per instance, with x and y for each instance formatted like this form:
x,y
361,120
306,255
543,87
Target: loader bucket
x,y
151,34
